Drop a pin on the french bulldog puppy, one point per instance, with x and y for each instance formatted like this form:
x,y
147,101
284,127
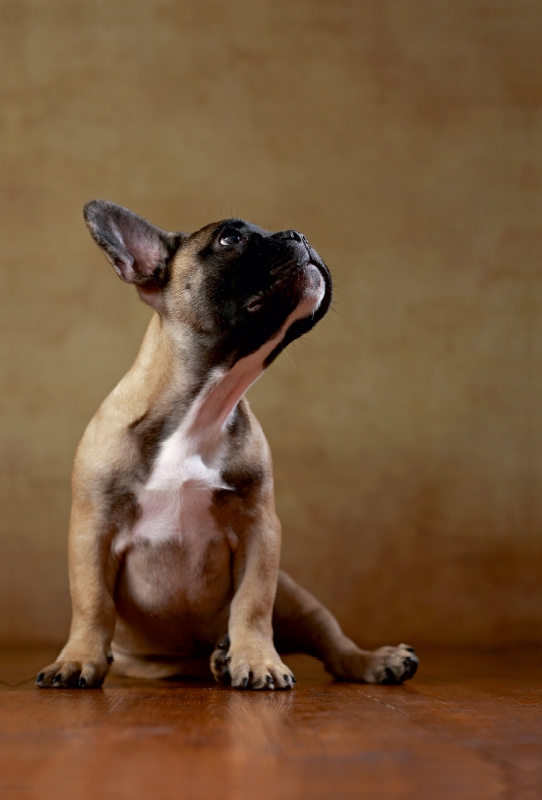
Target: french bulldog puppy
x,y
174,541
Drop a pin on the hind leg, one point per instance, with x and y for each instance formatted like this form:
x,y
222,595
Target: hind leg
x,y
303,625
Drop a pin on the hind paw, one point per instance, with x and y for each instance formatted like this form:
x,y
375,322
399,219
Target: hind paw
x,y
220,661
391,665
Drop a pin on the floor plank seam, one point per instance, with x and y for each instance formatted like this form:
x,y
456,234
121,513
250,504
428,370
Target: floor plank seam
x,y
386,705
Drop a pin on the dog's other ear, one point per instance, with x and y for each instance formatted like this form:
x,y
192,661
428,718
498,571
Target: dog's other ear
x,y
139,251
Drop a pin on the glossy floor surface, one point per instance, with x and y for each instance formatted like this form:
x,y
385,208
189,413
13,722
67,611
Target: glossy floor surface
x,y
468,726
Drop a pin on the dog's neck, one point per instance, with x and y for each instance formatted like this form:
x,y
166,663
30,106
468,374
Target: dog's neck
x,y
206,419
166,357
225,387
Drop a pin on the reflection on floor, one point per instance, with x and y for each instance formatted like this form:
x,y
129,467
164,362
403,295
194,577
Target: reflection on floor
x,y
468,726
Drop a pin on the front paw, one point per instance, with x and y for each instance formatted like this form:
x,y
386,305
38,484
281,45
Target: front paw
x,y
391,665
254,667
76,673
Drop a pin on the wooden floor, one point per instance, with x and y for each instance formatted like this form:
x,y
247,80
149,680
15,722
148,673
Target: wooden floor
x,y
468,727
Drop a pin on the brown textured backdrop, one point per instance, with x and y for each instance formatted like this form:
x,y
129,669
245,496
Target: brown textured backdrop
x,y
404,139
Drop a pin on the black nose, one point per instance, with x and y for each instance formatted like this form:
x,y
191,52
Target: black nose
x,y
297,237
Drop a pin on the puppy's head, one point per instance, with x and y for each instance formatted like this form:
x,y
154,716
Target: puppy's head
x,y
234,288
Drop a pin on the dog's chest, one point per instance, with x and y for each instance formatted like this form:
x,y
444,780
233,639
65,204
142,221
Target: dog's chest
x,y
175,501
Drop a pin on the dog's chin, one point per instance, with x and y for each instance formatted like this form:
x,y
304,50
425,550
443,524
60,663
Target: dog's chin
x,y
312,291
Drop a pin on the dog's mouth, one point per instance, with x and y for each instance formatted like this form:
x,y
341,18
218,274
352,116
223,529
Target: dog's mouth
x,y
304,282
307,288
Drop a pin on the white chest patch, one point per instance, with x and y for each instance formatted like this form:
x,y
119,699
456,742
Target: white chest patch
x,y
175,501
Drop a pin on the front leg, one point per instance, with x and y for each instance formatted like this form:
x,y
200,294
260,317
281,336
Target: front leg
x,y
247,657
85,659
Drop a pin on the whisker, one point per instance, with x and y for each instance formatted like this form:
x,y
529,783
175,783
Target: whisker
x,y
287,356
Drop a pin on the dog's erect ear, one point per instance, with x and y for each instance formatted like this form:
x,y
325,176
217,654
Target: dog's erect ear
x,y
139,251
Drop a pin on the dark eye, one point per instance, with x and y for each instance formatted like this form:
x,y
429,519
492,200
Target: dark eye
x,y
230,238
